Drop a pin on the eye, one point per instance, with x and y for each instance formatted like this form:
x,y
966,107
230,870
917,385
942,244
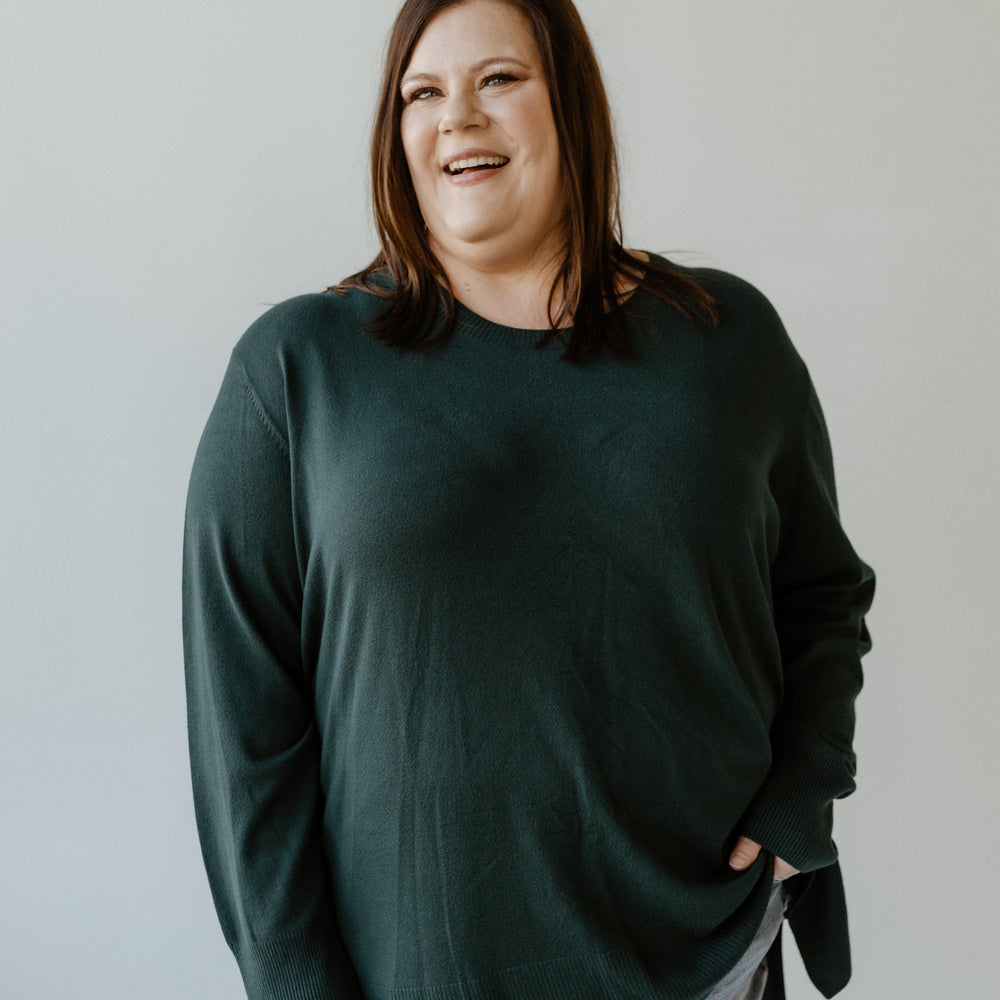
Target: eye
x,y
420,94
498,79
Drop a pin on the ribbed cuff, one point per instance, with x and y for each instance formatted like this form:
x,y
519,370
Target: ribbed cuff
x,y
792,813
310,964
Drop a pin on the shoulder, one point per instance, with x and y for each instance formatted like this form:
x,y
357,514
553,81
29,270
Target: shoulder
x,y
289,348
300,324
749,323
749,355
740,302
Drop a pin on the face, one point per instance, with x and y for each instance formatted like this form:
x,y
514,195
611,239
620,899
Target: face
x,y
479,137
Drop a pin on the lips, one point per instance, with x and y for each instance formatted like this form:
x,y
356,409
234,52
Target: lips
x,y
474,161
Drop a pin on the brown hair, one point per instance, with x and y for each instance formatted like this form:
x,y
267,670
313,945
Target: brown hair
x,y
595,261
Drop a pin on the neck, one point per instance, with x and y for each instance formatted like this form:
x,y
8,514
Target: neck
x,y
517,295
511,293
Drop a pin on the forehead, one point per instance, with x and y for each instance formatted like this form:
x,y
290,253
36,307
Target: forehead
x,y
475,29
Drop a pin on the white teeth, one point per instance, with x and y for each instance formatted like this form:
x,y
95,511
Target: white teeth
x,y
457,166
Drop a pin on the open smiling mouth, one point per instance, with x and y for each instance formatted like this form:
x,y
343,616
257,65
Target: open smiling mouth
x,y
476,163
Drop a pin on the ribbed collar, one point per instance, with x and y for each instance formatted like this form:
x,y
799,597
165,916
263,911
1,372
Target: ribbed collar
x,y
476,327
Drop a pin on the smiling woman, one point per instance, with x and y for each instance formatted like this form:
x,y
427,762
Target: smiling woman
x,y
520,666
507,216
518,74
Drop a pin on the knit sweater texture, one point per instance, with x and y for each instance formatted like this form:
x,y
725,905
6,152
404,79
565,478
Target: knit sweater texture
x,y
490,657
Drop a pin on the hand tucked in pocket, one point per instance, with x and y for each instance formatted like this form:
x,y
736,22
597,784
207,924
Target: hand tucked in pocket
x,y
745,854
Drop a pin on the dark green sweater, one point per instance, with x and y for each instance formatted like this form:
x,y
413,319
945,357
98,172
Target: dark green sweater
x,y
490,657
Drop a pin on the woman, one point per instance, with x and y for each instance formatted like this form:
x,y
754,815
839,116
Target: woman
x,y
518,671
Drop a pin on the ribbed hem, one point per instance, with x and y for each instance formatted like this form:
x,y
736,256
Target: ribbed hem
x,y
655,965
819,923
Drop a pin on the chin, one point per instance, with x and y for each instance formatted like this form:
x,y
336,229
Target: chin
x,y
457,238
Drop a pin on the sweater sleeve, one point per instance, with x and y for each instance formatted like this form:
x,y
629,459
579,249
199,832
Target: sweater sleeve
x,y
821,592
252,734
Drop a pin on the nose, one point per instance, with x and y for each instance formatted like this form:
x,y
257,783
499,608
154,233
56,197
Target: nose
x,y
461,111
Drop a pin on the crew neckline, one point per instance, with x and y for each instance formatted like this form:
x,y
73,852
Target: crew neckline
x,y
482,329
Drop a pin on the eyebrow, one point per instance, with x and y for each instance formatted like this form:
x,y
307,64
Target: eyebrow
x,y
475,68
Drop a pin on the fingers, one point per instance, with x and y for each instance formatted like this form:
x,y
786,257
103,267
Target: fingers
x,y
782,869
744,853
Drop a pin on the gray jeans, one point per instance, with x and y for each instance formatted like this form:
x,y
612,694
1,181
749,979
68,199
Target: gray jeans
x,y
748,979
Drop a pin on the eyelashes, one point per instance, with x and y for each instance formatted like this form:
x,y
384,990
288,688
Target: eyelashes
x,y
417,94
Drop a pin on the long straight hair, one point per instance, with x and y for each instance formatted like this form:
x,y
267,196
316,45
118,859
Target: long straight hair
x,y
595,263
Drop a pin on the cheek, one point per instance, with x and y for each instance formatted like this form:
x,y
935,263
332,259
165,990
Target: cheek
x,y
415,147
535,121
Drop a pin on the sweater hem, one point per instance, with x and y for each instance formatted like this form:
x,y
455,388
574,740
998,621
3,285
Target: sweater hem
x,y
621,973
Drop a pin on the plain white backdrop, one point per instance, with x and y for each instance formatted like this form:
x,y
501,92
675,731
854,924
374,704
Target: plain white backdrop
x,y
169,170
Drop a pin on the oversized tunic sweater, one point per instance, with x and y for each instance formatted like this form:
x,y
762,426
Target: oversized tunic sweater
x,y
491,657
